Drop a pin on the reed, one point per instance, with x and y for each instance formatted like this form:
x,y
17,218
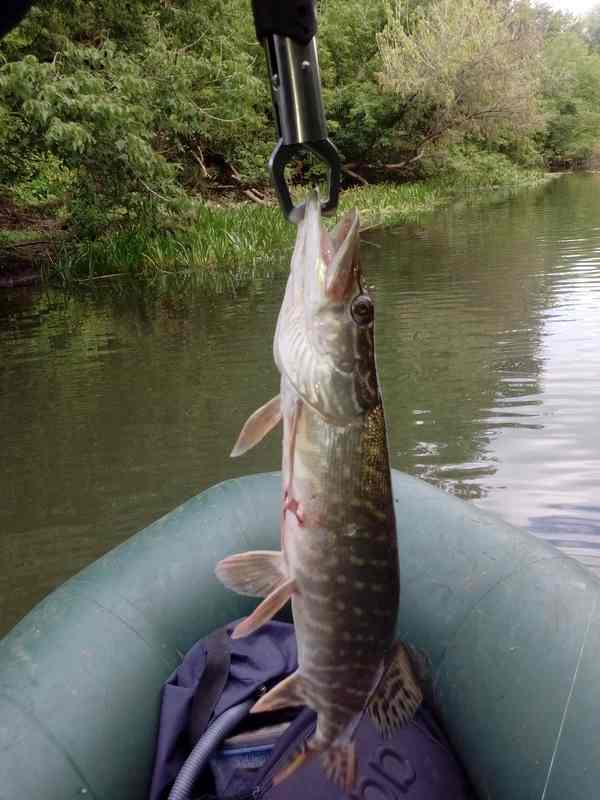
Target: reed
x,y
229,247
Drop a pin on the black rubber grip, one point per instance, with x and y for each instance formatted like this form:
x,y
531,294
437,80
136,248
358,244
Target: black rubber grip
x,y
12,13
296,19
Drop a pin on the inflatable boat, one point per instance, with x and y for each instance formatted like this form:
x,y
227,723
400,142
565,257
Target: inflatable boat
x,y
511,625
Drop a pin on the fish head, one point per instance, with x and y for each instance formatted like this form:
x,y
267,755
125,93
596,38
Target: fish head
x,y
324,339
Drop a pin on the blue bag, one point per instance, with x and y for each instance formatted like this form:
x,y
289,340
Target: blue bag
x,y
208,697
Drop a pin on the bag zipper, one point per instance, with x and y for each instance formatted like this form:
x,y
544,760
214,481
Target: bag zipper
x,y
267,782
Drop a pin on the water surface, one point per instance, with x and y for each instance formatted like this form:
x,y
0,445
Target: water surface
x,y
115,409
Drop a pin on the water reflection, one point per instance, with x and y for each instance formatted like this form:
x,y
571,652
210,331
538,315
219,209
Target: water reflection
x,y
116,408
112,415
497,317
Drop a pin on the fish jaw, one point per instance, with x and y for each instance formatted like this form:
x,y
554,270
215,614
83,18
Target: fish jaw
x,y
320,344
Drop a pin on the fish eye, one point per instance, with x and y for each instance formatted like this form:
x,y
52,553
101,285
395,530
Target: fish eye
x,y
362,310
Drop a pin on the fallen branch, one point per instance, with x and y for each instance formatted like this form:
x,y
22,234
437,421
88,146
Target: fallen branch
x,y
26,244
375,226
200,159
253,194
403,164
156,194
355,175
100,277
254,197
190,45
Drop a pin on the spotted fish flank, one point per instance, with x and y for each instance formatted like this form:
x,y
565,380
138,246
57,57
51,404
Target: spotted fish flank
x,y
339,559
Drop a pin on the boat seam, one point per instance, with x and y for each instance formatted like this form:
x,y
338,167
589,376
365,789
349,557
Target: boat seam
x,y
569,697
51,737
471,611
150,645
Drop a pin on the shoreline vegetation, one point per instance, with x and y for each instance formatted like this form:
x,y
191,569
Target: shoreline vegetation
x,y
227,247
134,141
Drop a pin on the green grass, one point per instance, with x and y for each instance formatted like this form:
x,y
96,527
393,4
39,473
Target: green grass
x,y
229,247
391,204
224,249
19,236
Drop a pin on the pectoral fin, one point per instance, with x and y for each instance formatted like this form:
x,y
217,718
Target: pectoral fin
x,y
254,574
398,695
257,426
287,693
267,609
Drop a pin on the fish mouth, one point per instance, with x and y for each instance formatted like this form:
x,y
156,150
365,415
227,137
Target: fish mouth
x,y
316,341
333,254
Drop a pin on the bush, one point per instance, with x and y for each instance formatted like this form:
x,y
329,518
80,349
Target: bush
x,y
132,123
44,179
133,111
572,98
469,166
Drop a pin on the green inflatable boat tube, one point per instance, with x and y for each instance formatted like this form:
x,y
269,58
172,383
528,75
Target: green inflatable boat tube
x,y
511,625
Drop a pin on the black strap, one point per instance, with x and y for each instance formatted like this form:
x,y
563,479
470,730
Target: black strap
x,y
294,18
214,678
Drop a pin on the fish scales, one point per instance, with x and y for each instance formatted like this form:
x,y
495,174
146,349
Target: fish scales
x,y
348,538
339,559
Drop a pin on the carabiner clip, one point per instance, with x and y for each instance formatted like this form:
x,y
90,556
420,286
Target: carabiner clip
x,y
281,157
300,117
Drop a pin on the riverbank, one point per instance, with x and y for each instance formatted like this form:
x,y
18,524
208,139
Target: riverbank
x,y
226,248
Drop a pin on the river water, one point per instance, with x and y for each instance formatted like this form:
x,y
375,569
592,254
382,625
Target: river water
x,y
114,409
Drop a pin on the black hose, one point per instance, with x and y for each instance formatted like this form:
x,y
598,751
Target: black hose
x,y
205,747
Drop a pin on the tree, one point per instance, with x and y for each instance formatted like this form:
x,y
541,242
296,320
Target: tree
x,y
472,66
131,113
571,98
591,24
551,22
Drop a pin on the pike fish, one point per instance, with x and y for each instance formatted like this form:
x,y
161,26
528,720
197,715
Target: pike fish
x,y
338,561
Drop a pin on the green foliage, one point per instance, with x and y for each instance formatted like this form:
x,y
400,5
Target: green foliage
x,y
90,108
572,98
591,27
550,22
468,166
471,63
13,132
130,114
45,179
132,102
228,248
124,122
53,24
367,123
223,250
